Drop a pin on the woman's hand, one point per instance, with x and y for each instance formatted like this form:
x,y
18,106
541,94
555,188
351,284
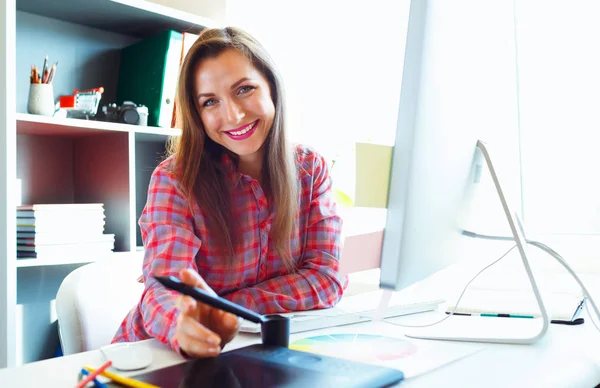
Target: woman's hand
x,y
201,330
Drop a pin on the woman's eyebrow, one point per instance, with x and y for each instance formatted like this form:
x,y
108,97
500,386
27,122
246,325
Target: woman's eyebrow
x,y
235,85
205,95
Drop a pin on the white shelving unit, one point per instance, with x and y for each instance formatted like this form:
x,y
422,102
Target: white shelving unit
x,y
69,160
28,124
70,261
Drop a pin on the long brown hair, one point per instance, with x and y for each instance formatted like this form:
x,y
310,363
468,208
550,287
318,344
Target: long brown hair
x,y
198,158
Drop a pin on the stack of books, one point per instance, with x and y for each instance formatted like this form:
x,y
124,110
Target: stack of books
x,y
68,231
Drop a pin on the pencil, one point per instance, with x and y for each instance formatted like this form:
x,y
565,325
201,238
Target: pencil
x,y
122,380
92,375
97,383
52,72
45,69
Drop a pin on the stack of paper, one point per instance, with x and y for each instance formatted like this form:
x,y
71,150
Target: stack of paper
x,y
47,231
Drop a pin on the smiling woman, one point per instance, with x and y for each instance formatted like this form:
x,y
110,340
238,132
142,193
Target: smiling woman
x,y
235,209
235,104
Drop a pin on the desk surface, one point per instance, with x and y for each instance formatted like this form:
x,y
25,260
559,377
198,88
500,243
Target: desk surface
x,y
567,356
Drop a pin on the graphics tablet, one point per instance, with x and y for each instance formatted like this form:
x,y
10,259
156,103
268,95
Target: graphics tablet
x,y
260,366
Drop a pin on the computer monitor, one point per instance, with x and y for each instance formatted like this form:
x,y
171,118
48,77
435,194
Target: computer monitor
x,y
446,106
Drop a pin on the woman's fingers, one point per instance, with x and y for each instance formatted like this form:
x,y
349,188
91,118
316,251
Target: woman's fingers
x,y
193,337
193,278
189,306
195,331
195,348
226,325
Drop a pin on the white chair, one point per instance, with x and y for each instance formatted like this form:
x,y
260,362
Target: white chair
x,y
93,300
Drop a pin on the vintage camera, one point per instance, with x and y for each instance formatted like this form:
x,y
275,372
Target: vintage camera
x,y
127,113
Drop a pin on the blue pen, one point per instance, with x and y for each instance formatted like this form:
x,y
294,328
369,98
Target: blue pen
x,y
578,309
493,315
506,315
97,383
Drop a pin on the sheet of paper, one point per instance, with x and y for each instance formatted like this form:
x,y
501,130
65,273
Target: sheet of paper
x,y
383,344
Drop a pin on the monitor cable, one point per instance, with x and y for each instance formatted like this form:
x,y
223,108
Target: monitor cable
x,y
459,298
588,298
545,248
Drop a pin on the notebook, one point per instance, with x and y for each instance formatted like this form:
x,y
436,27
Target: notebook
x,y
560,306
352,309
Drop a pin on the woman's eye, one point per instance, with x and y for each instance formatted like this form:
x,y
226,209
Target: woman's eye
x,y
245,89
210,102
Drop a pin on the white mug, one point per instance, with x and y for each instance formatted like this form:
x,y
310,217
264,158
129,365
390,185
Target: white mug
x,y
41,100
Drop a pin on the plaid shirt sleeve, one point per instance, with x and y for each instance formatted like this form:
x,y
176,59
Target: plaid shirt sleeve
x,y
170,246
317,283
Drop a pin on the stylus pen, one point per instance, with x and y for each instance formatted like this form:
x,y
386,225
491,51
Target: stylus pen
x,y
173,283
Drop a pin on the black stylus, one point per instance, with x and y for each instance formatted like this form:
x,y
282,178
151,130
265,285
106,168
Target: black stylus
x,y
212,300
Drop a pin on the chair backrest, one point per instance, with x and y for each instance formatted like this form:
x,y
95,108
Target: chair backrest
x,y
93,300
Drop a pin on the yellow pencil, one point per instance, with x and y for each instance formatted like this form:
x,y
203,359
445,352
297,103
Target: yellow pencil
x,y
122,380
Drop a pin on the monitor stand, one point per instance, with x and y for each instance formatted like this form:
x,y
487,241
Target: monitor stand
x,y
492,329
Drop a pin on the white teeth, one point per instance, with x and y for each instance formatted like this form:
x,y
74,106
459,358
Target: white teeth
x,y
243,131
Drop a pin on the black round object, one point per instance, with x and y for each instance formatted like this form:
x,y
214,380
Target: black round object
x,y
130,116
275,330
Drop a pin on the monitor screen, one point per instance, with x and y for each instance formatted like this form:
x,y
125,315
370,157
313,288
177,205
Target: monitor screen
x,y
458,87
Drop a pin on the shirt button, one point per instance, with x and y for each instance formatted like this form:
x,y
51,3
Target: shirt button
x,y
262,267
263,224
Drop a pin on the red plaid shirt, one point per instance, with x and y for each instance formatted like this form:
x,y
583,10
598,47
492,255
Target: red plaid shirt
x,y
174,239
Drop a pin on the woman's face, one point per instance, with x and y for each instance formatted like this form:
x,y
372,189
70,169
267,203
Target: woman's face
x,y
235,104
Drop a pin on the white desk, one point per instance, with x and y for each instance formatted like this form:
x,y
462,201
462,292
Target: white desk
x,y
568,356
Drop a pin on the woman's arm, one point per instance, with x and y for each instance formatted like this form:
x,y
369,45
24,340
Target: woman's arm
x,y
170,246
318,282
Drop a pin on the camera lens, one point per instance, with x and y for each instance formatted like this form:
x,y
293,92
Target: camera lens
x,y
130,116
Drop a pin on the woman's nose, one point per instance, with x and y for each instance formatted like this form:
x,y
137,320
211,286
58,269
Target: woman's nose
x,y
234,112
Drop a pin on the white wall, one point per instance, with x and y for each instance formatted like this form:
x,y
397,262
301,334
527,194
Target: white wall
x,y
559,71
342,60
341,63
212,9
468,89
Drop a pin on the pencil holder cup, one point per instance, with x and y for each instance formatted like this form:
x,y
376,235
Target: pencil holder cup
x,y
41,100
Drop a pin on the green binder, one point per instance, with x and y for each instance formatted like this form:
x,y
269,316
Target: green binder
x,y
148,75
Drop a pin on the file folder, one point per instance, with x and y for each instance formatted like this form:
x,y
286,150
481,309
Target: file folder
x,y
148,75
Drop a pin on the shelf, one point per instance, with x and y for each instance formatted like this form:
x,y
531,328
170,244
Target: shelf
x,y
22,263
138,18
65,160
26,263
41,125
155,131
